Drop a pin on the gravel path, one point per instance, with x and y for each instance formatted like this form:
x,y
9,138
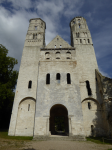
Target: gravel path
x,y
65,145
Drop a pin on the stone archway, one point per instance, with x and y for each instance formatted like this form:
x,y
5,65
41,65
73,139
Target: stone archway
x,y
25,118
59,120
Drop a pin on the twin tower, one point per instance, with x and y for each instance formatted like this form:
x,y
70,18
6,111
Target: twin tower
x,y
56,91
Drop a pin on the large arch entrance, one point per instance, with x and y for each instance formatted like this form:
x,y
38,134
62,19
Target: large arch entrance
x,y
59,120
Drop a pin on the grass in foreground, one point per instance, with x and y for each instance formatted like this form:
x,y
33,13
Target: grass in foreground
x,y
99,140
4,135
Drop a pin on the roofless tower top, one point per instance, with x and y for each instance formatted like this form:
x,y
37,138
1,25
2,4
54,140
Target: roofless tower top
x,y
80,33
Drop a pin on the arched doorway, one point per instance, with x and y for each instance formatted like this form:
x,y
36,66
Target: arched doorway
x,y
59,120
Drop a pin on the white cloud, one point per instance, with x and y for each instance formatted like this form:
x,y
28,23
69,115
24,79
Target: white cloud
x,y
14,25
57,15
21,4
104,73
102,40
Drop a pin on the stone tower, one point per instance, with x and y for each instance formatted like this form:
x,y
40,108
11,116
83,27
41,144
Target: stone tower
x,y
56,83
28,74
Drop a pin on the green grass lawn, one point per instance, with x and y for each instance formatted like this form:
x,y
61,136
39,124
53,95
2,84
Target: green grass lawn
x,y
99,140
4,135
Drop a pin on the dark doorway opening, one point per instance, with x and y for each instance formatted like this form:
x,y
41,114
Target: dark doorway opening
x,y
59,120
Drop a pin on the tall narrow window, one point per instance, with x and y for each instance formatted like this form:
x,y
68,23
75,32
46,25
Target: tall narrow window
x,y
77,34
68,78
47,55
30,84
80,40
28,107
68,55
89,105
58,77
85,34
60,46
79,25
76,41
48,78
35,27
88,88
88,41
34,36
57,55
55,46
84,41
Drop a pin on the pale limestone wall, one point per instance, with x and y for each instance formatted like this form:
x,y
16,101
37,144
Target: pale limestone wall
x,y
39,31
54,54
92,116
80,33
58,42
86,65
28,71
58,93
25,118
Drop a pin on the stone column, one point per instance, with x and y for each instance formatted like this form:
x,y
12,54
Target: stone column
x,y
70,126
47,125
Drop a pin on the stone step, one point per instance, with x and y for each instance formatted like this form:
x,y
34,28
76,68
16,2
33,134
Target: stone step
x,y
59,138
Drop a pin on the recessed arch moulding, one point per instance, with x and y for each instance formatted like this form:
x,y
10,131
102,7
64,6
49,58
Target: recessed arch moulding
x,y
93,112
23,117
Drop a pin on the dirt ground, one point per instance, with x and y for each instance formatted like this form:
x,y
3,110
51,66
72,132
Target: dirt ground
x,y
51,145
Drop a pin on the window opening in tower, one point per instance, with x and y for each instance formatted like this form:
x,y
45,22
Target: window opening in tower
x,y
35,27
89,105
58,77
68,78
88,88
48,78
30,84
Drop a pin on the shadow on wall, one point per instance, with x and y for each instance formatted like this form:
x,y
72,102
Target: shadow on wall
x,y
97,127
104,95
92,116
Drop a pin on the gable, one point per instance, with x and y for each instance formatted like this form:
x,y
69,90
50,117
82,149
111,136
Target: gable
x,y
58,42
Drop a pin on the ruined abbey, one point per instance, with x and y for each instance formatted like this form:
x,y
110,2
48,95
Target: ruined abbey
x,y
59,88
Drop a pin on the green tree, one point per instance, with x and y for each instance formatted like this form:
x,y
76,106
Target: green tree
x,y
8,79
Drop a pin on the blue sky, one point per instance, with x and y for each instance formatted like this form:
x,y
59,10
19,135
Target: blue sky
x,y
15,16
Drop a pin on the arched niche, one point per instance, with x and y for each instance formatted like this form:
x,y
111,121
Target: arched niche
x,y
59,120
25,118
92,99
47,55
57,55
92,115
68,55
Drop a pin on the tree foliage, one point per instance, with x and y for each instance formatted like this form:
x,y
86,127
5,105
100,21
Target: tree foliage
x,y
8,79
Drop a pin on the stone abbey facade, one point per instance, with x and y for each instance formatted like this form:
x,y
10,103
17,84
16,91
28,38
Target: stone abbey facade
x,y
60,82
